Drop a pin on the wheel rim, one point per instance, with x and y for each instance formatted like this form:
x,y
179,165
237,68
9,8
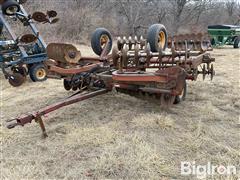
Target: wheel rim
x,y
12,10
103,40
162,39
41,74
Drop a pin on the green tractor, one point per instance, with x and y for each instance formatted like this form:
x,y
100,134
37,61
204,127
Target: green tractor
x,y
224,35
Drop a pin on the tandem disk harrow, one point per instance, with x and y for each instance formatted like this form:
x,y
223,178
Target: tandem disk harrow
x,y
157,67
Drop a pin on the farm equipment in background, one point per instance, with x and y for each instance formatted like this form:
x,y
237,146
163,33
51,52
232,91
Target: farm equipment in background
x,y
20,56
224,35
156,67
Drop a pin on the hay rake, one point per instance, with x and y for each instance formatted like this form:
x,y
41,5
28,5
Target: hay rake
x,y
156,67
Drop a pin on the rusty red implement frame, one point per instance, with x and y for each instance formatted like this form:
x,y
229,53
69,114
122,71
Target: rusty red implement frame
x,y
134,67
37,115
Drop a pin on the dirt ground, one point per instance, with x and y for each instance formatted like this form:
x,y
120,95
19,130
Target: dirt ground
x,y
116,136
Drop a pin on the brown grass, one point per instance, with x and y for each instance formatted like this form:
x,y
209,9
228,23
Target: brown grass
x,y
116,136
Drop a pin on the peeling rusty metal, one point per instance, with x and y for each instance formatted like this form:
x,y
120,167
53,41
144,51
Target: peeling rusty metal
x,y
49,17
63,53
39,17
28,38
52,14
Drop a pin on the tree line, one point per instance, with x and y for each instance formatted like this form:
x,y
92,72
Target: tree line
x,y
79,18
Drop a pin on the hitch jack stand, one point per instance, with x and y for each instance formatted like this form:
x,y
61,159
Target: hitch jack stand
x,y
39,120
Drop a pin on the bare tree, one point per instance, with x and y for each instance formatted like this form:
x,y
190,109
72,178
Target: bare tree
x,y
232,8
132,12
230,5
177,10
79,18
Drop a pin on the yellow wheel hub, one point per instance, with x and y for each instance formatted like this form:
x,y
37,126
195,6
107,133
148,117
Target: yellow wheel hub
x,y
41,73
104,39
12,10
162,39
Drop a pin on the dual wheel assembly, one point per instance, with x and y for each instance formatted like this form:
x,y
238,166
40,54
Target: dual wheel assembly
x,y
37,73
157,39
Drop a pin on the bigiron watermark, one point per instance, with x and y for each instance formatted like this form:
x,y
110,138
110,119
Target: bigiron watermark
x,y
209,169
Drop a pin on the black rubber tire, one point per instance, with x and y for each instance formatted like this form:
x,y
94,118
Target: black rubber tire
x,y
179,99
67,85
153,37
236,42
34,70
213,43
10,4
96,40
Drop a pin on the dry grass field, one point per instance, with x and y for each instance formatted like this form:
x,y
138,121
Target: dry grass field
x,y
116,136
